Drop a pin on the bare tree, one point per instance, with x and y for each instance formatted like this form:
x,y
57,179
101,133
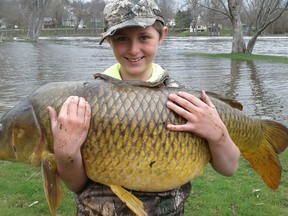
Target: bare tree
x,y
57,12
95,11
14,13
238,44
195,12
262,13
167,8
280,26
80,11
37,8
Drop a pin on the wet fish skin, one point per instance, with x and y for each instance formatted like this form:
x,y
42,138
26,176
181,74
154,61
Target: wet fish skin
x,y
137,122
128,144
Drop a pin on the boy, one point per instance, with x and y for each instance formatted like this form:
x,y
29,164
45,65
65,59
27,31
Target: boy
x,y
134,30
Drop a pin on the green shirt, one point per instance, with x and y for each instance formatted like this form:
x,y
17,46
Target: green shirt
x,y
157,73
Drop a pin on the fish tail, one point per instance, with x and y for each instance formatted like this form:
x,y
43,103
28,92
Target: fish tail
x,y
52,185
265,159
276,134
129,199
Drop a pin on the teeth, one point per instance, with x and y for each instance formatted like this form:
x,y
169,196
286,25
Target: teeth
x,y
135,60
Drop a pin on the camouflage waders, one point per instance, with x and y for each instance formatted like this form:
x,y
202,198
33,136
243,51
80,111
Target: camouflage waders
x,y
99,200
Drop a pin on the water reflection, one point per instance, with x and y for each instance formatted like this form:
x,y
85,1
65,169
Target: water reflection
x,y
260,86
262,97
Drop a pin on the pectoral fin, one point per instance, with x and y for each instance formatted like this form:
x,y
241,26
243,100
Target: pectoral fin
x,y
129,199
52,185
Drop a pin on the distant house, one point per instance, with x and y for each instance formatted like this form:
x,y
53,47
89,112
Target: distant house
x,y
70,21
48,23
171,23
198,26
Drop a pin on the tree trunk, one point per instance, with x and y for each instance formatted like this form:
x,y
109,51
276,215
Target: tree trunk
x,y
251,44
238,44
38,13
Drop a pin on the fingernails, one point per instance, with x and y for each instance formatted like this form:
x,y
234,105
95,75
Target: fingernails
x,y
169,103
172,95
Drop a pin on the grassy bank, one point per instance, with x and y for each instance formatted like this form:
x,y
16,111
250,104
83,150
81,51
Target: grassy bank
x,y
245,193
244,57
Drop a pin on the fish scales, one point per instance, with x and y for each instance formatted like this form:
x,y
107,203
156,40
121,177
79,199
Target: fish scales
x,y
127,125
128,144
148,148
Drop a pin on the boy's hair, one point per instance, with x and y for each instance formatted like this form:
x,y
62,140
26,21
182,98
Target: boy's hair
x,y
158,26
120,14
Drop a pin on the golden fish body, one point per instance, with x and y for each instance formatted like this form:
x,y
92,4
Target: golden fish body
x,y
128,144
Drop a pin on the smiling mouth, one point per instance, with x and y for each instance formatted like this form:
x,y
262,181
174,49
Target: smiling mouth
x,y
134,59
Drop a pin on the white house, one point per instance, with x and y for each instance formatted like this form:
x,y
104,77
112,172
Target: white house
x,y
199,26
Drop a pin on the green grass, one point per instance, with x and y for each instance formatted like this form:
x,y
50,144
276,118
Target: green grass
x,y
244,57
242,194
213,194
21,192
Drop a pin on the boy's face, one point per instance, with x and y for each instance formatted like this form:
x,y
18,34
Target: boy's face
x,y
135,50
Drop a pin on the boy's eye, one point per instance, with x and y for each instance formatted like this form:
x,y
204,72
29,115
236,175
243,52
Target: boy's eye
x,y
121,38
144,38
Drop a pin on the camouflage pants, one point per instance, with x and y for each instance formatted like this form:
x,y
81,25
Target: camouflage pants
x,y
99,200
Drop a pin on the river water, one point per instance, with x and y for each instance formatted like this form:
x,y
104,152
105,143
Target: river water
x,y
260,86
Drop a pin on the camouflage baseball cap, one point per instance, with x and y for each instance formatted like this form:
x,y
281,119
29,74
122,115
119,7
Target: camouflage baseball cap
x,y
129,13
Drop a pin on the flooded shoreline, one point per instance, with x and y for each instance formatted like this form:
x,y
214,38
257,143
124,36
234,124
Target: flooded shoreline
x,y
259,85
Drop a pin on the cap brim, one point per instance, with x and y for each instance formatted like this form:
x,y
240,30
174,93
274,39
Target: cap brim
x,y
136,22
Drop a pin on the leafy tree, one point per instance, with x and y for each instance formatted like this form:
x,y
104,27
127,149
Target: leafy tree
x,y
182,20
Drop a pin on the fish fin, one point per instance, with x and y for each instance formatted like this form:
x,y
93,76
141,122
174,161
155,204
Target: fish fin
x,y
52,185
265,159
129,199
231,102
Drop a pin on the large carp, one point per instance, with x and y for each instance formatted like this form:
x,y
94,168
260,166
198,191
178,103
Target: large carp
x,y
128,145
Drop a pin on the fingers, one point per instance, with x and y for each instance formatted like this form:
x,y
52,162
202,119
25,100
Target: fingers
x,y
178,109
197,111
87,115
191,102
74,107
81,108
53,115
206,99
183,127
186,100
